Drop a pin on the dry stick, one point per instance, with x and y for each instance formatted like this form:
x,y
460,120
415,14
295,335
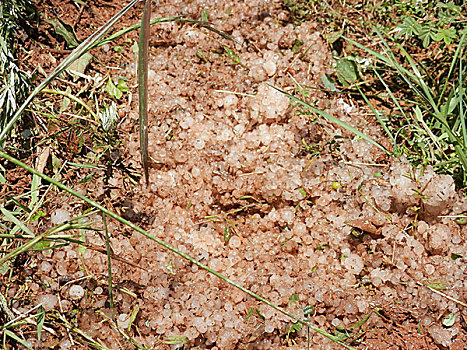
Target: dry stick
x,y
443,294
169,247
143,67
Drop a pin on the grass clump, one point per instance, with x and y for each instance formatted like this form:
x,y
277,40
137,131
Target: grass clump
x,y
411,65
15,84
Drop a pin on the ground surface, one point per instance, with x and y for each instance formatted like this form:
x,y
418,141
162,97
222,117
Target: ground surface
x,y
292,207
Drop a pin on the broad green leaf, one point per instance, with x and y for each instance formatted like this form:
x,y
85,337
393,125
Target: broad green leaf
x,y
112,90
65,30
122,86
348,69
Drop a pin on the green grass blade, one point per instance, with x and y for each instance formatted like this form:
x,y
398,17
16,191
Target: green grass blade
x,y
461,98
377,116
126,30
18,224
379,56
23,248
143,86
18,339
451,68
388,90
167,246
74,98
77,53
333,119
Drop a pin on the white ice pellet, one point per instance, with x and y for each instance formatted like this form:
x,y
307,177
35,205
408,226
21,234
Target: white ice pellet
x,y
59,216
65,344
123,321
48,301
235,242
270,68
76,292
198,144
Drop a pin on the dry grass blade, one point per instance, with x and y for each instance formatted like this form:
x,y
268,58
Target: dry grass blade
x,y
332,119
85,46
143,86
171,248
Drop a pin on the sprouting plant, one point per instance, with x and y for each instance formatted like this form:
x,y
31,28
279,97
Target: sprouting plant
x,y
446,24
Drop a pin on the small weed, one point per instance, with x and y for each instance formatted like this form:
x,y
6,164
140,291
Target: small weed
x,y
444,23
254,311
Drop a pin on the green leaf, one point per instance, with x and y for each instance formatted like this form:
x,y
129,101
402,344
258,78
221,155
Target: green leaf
x,y
4,268
293,297
42,245
122,86
133,315
118,48
65,30
348,69
204,16
40,321
18,224
427,34
252,311
118,90
408,27
449,320
438,285
449,6
112,90
308,310
39,214
448,35
302,192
